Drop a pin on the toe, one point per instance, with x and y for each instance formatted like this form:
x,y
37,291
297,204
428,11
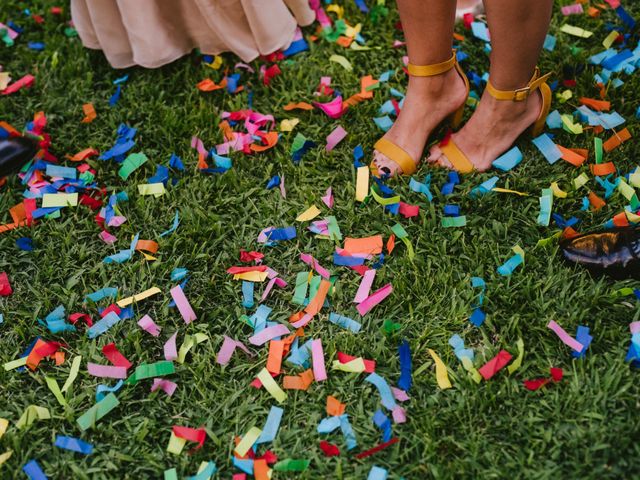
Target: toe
x,y
444,162
434,154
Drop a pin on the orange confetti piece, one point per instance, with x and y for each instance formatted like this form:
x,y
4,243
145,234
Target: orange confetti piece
x,y
621,220
570,156
334,407
18,213
316,303
368,245
227,131
34,358
89,113
616,140
147,246
391,243
596,202
83,155
458,37
365,83
344,41
261,469
603,169
271,139
593,12
12,131
298,106
59,358
208,85
276,352
298,382
569,233
600,105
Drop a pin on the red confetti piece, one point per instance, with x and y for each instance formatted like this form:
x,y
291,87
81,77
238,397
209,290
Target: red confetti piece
x,y
114,356
494,365
556,376
329,449
75,317
369,365
5,286
377,448
248,257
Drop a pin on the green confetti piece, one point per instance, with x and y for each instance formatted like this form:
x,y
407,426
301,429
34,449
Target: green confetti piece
x,y
518,361
171,474
291,465
55,389
342,61
622,292
300,292
157,369
334,229
399,231
453,222
546,206
131,164
382,200
89,418
580,181
597,142
389,326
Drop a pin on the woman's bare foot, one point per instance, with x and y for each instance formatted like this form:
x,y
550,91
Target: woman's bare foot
x,y
429,100
492,130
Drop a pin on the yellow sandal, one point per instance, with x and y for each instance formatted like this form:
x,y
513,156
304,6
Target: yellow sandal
x,y
397,154
460,161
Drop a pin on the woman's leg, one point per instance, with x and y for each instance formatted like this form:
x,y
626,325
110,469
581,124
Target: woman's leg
x,y
518,29
428,28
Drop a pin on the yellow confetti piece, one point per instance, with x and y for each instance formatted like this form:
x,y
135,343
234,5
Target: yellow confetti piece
x,y
576,31
337,9
125,302
5,456
54,200
271,386
31,414
569,125
557,192
176,444
382,200
73,373
55,389
309,214
19,362
634,178
216,64
580,181
506,190
362,183
4,424
468,366
441,371
251,276
518,361
354,366
625,189
564,96
632,217
607,42
248,440
189,342
288,125
517,249
5,79
361,48
352,32
342,61
155,189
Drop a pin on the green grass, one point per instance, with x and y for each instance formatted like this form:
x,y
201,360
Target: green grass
x,y
585,427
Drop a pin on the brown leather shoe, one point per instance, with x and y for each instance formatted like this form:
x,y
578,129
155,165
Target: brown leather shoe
x,y
15,152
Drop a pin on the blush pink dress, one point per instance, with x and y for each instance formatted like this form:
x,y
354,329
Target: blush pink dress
x,y
152,33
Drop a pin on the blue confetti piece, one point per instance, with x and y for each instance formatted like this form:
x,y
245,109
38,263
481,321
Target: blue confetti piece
x,y
377,473
328,425
103,325
423,188
347,432
383,123
115,97
281,234
385,76
273,182
259,318
73,444
271,426
176,222
60,171
244,465
562,223
362,6
121,80
176,162
206,473
549,43
232,82
484,188
25,243
1,319
477,317
554,120
247,294
508,267
178,274
383,422
508,160
300,355
582,336
37,46
296,47
358,153
33,470
106,292
41,212
383,389
404,353
627,19
345,322
123,255
480,31
457,344
451,210
161,175
221,162
298,154
393,208
548,148
103,390
347,261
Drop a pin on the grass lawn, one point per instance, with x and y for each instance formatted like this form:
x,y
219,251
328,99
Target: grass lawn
x,y
587,426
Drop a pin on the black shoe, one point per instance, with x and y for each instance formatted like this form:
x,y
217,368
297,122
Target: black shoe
x,y
15,152
615,252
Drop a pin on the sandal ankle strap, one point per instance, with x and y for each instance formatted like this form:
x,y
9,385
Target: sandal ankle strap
x,y
520,94
431,70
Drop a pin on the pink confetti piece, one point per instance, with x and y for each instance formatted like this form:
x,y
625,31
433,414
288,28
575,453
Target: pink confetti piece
x,y
306,318
24,82
228,347
117,221
335,137
328,198
313,263
245,66
167,386
565,337
106,371
170,348
107,238
574,9
148,325
634,327
268,333
198,145
12,33
365,286
374,299
399,394
283,191
399,414
333,109
183,304
319,370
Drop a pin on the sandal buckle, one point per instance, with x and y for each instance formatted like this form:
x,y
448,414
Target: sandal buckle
x,y
521,94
